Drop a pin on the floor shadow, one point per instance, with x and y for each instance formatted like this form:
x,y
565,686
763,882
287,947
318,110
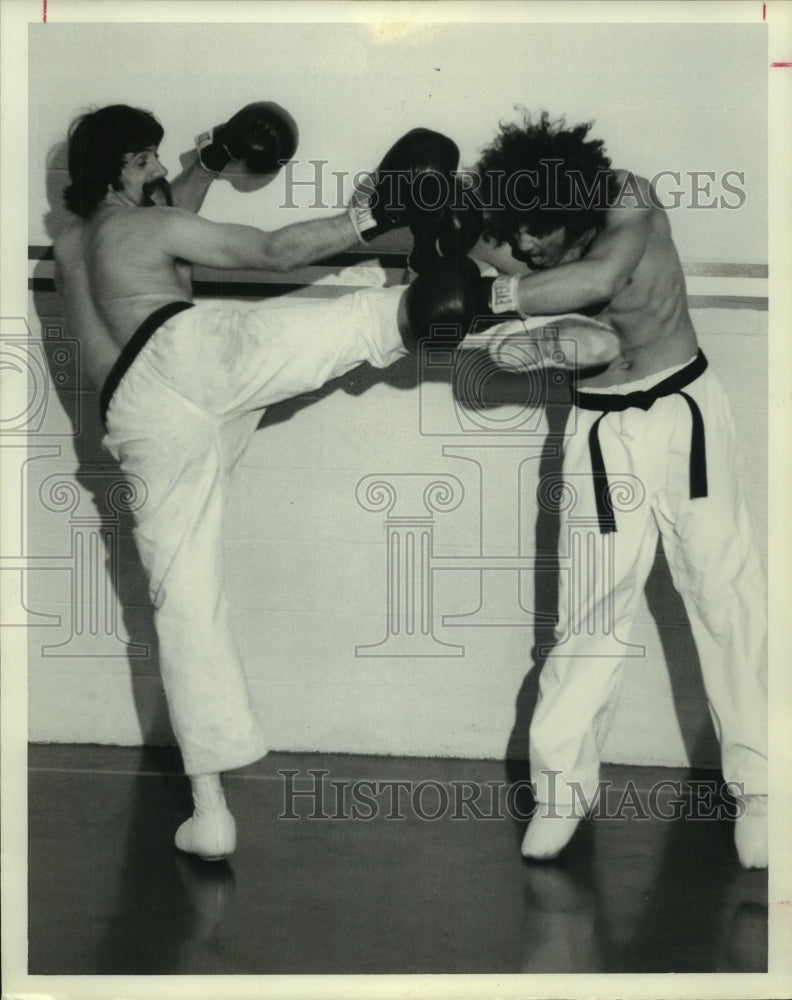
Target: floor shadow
x,y
650,894
186,901
699,892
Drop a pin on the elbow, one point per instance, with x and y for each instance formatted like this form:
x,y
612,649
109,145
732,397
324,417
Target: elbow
x,y
277,264
280,262
281,252
271,256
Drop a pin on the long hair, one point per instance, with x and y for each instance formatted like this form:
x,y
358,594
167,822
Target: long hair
x,y
98,143
544,176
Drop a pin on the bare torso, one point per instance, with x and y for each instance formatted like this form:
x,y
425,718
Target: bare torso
x,y
112,273
114,270
650,312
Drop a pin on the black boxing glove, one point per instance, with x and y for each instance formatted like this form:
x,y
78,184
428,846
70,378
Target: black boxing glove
x,y
261,134
411,187
447,295
455,234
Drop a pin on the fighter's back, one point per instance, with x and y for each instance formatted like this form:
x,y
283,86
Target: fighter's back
x,y
99,350
112,273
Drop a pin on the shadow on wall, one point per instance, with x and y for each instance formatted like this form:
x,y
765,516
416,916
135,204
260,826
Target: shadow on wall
x,y
96,469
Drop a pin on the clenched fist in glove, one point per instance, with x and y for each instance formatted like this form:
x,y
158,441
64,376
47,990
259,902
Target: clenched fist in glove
x,y
262,135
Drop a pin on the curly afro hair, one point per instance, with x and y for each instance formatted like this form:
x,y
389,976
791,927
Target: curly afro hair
x,y
542,176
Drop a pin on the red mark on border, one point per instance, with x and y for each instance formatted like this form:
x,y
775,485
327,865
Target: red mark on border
x,y
764,11
44,11
785,65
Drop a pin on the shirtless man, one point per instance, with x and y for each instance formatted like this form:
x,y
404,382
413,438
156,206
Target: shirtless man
x,y
183,385
656,418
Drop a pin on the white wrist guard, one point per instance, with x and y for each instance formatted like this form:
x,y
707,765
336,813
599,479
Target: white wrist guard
x,y
201,142
361,218
503,297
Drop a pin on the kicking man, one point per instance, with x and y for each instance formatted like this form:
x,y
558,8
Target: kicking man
x,y
183,385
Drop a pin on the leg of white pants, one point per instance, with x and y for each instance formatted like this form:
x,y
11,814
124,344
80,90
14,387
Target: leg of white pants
x,y
229,360
712,554
601,580
183,465
179,420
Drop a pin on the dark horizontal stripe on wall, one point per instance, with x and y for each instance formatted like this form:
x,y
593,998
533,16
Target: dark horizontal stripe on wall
x,y
391,258
387,258
727,302
235,289
244,289
270,290
206,289
704,269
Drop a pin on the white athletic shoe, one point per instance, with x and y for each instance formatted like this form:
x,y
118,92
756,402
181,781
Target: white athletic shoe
x,y
750,832
211,831
551,828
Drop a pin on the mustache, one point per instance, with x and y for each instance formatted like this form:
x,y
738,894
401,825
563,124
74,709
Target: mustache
x,y
159,185
522,256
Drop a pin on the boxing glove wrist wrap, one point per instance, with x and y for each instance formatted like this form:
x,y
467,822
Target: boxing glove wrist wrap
x,y
504,296
363,220
201,142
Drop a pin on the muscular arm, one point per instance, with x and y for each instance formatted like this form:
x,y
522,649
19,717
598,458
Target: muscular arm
x,y
199,241
190,187
606,269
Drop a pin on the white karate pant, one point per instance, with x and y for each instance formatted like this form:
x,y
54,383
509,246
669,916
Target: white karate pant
x,y
180,419
710,548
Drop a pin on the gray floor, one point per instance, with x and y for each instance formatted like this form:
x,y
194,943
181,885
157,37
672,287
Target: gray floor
x,y
418,882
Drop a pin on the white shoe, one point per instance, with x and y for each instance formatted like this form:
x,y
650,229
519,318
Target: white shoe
x,y
212,835
551,829
211,831
547,836
750,832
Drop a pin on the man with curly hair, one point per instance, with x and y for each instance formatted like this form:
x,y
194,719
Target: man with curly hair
x,y
596,240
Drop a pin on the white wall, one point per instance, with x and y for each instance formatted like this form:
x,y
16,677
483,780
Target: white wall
x,y
664,97
307,564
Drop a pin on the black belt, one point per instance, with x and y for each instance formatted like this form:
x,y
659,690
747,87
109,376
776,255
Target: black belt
x,y
133,347
613,403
